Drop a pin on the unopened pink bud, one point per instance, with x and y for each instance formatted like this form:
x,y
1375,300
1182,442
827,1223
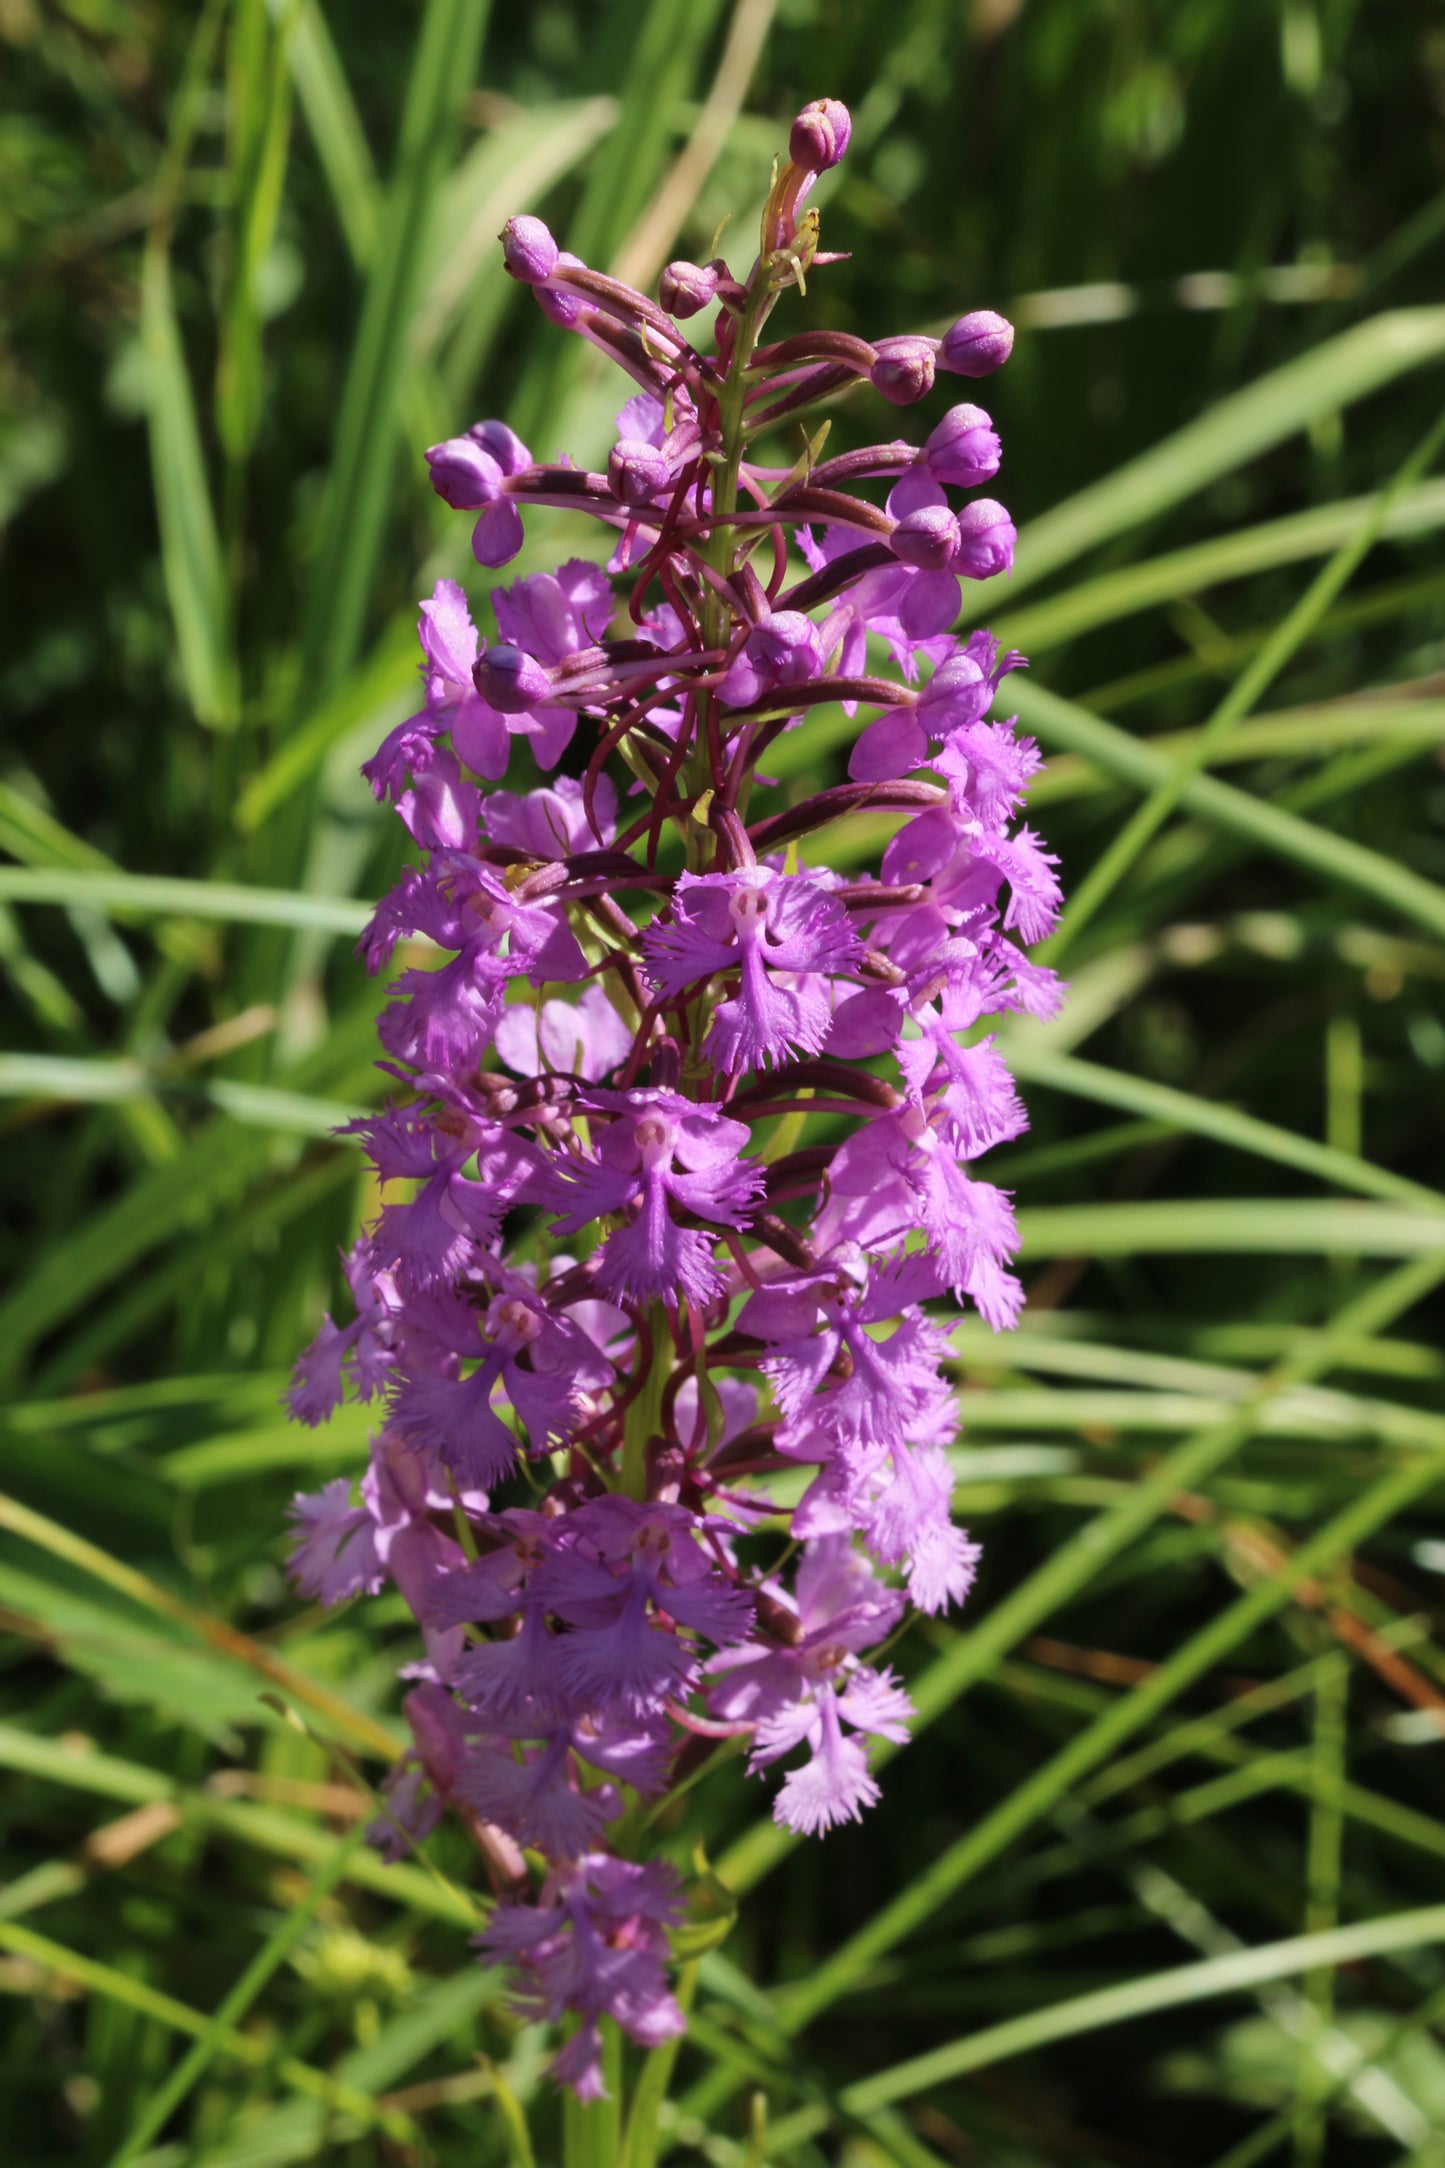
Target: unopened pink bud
x,y
464,474
528,250
510,680
927,539
820,135
978,344
685,288
904,369
986,537
637,470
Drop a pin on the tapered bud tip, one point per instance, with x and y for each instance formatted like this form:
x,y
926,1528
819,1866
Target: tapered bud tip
x,y
684,288
528,250
978,344
637,470
820,135
904,369
510,680
464,473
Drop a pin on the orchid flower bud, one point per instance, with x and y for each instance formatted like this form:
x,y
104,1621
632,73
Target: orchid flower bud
x,y
637,471
986,537
958,692
928,538
464,474
963,449
528,250
686,288
904,369
510,680
977,344
820,135
783,648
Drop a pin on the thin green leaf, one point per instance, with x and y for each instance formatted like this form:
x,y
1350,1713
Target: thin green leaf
x,y
1137,1998
1204,1118
1234,813
1088,604
359,485
247,2048
1289,399
335,126
1228,1226
234,2006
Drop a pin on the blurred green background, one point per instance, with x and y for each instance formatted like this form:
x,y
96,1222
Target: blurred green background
x,y
1196,1709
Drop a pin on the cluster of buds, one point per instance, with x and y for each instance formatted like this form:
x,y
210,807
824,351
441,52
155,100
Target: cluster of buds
x,y
684,1139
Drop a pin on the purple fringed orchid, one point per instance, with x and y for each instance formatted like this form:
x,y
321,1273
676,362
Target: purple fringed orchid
x,y
677,1181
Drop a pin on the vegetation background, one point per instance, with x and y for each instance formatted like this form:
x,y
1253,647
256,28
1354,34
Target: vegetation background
x,y
1159,1881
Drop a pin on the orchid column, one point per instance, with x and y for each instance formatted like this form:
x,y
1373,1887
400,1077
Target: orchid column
x,y
614,1309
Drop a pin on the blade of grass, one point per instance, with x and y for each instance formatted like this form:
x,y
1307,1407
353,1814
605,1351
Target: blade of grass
x,y
1225,1125
1332,376
143,895
1244,1226
48,1078
88,1558
1369,1510
190,541
235,2005
335,126
644,252
266,1829
1088,604
300,2132
1304,733
1243,696
359,485
246,2048
1137,1998
259,127
1234,813
1262,2142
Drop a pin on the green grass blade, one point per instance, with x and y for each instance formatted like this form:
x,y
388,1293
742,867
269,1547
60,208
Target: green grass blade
x,y
235,2005
1234,813
1262,2142
1258,674
1330,377
359,486
1201,1117
190,541
265,1829
141,895
74,1082
246,2048
508,171
1228,1226
259,126
113,1573
1229,1975
335,126
1088,604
